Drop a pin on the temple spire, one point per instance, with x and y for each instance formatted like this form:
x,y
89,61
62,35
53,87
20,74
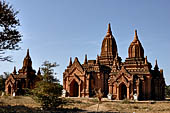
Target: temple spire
x,y
28,55
146,61
85,60
70,63
109,32
156,65
14,72
27,60
135,49
136,36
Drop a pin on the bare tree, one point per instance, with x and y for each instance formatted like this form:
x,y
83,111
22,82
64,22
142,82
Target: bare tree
x,y
99,95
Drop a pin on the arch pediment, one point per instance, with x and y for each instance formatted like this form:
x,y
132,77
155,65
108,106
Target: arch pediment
x,y
124,80
76,66
76,71
11,79
76,78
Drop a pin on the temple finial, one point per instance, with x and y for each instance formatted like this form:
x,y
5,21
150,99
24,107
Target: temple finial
x,y
14,72
156,65
146,61
109,32
70,63
28,53
136,35
85,60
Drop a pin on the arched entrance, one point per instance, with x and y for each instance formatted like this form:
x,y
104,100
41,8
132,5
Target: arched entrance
x,y
74,89
122,91
9,89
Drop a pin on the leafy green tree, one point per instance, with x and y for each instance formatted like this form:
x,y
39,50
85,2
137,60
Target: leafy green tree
x,y
48,71
47,91
48,94
9,35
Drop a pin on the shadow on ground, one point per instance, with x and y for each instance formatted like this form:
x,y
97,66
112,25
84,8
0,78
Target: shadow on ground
x,y
24,109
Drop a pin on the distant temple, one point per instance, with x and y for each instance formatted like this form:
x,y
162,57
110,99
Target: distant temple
x,y
119,79
25,78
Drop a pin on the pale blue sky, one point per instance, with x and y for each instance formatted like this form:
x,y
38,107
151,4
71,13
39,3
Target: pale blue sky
x,y
55,30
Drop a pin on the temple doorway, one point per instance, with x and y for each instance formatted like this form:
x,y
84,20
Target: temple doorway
x,y
122,91
74,89
9,89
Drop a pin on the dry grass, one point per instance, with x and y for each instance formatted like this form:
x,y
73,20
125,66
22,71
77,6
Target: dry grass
x,y
27,104
120,106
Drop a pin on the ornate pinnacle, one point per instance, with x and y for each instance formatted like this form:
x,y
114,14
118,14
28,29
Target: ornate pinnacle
x,y
28,53
14,72
136,35
109,32
85,60
146,61
70,63
156,65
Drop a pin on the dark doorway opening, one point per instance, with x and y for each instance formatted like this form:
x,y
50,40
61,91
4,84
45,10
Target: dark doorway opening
x,y
74,91
9,90
123,92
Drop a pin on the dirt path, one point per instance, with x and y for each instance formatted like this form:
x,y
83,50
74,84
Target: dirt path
x,y
102,107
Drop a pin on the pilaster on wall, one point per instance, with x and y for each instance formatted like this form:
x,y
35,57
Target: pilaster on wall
x,y
143,89
148,87
117,98
128,93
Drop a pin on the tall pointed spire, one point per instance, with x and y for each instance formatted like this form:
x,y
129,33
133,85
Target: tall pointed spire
x,y
109,46
70,63
146,61
156,65
14,72
28,55
109,32
27,60
135,49
85,60
136,36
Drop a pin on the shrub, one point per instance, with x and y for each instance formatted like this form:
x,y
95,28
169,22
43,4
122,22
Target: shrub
x,y
48,94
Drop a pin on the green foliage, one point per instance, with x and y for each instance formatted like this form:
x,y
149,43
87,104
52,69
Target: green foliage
x,y
9,35
167,91
48,71
48,89
47,94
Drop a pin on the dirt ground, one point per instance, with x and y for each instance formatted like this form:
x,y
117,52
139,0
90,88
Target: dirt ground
x,y
23,104
124,106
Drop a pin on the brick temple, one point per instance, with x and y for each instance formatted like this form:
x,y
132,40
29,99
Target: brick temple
x,y
119,79
25,78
